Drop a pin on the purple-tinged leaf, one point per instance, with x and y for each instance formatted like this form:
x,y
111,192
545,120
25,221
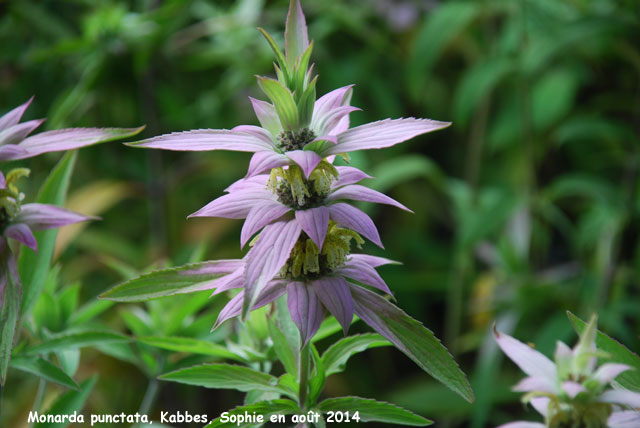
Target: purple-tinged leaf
x,y
70,139
306,160
335,295
13,117
267,257
205,140
257,182
541,404
256,131
609,371
373,261
21,233
11,152
361,193
354,219
44,216
305,309
572,388
283,102
535,383
624,419
381,134
271,292
168,282
522,424
620,396
3,183
17,133
530,361
411,337
234,205
296,38
267,116
259,216
314,222
265,161
329,124
349,175
228,282
328,102
361,271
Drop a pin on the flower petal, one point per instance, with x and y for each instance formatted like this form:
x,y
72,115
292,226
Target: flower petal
x,y
306,159
17,133
13,117
314,222
234,205
227,282
361,193
271,292
267,257
215,267
348,175
305,309
522,424
335,295
626,419
206,139
530,361
73,138
541,404
355,219
381,134
623,397
267,116
361,271
257,182
43,216
259,216
21,232
608,372
265,160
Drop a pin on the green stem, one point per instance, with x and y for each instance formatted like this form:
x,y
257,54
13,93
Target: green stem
x,y
149,397
37,404
0,403
303,365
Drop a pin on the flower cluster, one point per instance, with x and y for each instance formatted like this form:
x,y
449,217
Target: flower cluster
x,y
295,202
573,391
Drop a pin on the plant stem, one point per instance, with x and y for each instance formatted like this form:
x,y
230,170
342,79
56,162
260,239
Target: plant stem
x,y
0,403
149,397
37,404
303,365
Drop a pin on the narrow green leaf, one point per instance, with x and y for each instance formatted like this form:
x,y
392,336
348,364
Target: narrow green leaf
x,y
296,38
373,411
68,403
282,62
165,282
190,345
9,312
89,311
33,267
75,340
44,369
318,377
265,408
306,103
282,100
225,376
412,338
301,71
618,354
335,358
282,348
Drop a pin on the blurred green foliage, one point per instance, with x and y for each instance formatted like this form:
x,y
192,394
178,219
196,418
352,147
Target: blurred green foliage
x,y
526,207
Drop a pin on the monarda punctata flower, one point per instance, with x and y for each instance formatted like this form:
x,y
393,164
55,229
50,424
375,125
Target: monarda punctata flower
x,y
572,392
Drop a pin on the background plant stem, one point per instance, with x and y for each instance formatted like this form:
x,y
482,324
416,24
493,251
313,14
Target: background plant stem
x,y
304,377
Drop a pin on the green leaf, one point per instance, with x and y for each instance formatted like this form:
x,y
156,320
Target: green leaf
x,y
33,267
265,408
89,311
68,403
192,346
10,310
318,377
282,348
307,101
618,354
282,62
160,283
373,411
282,100
296,38
225,376
74,340
412,338
44,369
335,358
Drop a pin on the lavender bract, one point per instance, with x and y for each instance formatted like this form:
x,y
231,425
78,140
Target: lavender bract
x,y
572,391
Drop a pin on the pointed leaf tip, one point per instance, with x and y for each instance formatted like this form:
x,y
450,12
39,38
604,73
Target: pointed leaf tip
x,y
295,35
